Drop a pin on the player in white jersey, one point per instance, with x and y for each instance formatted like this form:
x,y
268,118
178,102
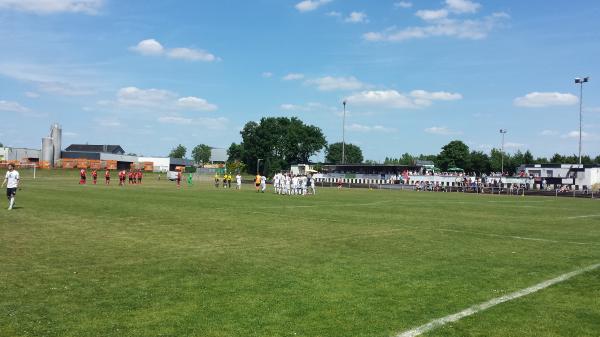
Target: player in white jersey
x,y
263,183
288,184
276,183
294,185
303,185
311,185
238,182
11,180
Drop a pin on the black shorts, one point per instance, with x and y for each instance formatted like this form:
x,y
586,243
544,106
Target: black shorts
x,y
11,192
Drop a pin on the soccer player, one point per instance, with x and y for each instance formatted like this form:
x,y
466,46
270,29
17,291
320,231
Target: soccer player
x,y
263,183
238,182
229,178
179,178
107,177
257,182
311,185
216,180
82,176
122,175
11,180
140,176
94,176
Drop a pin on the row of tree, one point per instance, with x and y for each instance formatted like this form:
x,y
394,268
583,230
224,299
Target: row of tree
x,y
275,143
457,154
200,153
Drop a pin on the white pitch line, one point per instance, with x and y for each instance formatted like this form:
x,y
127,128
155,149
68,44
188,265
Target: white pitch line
x,y
436,323
584,216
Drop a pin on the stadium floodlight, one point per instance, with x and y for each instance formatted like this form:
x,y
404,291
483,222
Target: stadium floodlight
x,y
502,132
581,81
344,134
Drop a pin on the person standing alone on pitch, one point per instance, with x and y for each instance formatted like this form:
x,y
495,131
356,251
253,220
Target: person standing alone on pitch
x,y
238,182
107,177
179,178
11,180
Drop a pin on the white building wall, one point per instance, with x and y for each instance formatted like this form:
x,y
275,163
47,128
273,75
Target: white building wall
x,y
161,164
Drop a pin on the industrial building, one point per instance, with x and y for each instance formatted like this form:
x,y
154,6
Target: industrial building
x,y
164,164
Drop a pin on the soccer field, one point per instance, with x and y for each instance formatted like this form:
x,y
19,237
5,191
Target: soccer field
x,y
153,260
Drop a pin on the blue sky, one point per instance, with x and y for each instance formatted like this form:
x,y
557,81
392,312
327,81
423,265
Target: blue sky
x,y
416,74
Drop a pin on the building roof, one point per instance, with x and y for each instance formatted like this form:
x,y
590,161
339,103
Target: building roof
x,y
114,149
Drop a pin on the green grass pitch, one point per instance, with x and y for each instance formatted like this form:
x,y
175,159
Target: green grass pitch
x,y
153,260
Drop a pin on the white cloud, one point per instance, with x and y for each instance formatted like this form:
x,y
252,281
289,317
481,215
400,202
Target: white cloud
x,y
291,107
431,15
329,83
64,89
196,103
575,135
191,54
32,94
267,74
549,133
334,14
149,47
175,120
435,96
91,7
310,5
356,17
463,6
293,77
10,106
545,99
392,99
442,130
366,128
474,29
132,96
219,123
158,99
511,145
403,4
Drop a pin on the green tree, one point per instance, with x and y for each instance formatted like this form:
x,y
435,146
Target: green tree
x,y
278,142
480,162
371,162
557,159
528,158
201,153
454,154
353,153
407,159
235,152
496,160
178,152
597,160
541,160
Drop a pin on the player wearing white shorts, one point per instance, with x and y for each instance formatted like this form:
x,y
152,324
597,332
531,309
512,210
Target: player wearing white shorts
x,y
303,185
11,180
311,185
288,183
263,183
276,183
238,182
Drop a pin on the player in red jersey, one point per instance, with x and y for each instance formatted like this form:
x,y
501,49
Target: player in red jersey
x,y
122,178
82,176
139,177
94,176
130,176
178,178
107,177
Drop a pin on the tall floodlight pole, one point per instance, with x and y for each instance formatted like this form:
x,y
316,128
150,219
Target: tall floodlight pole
x,y
580,81
258,165
344,135
502,132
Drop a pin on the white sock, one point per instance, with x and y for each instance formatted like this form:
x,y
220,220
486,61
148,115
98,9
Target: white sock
x,y
12,202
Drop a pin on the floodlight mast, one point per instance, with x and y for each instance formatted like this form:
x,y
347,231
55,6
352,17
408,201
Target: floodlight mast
x,y
502,132
581,81
344,135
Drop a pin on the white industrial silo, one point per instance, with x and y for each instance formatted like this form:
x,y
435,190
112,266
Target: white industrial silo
x,y
48,150
56,135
